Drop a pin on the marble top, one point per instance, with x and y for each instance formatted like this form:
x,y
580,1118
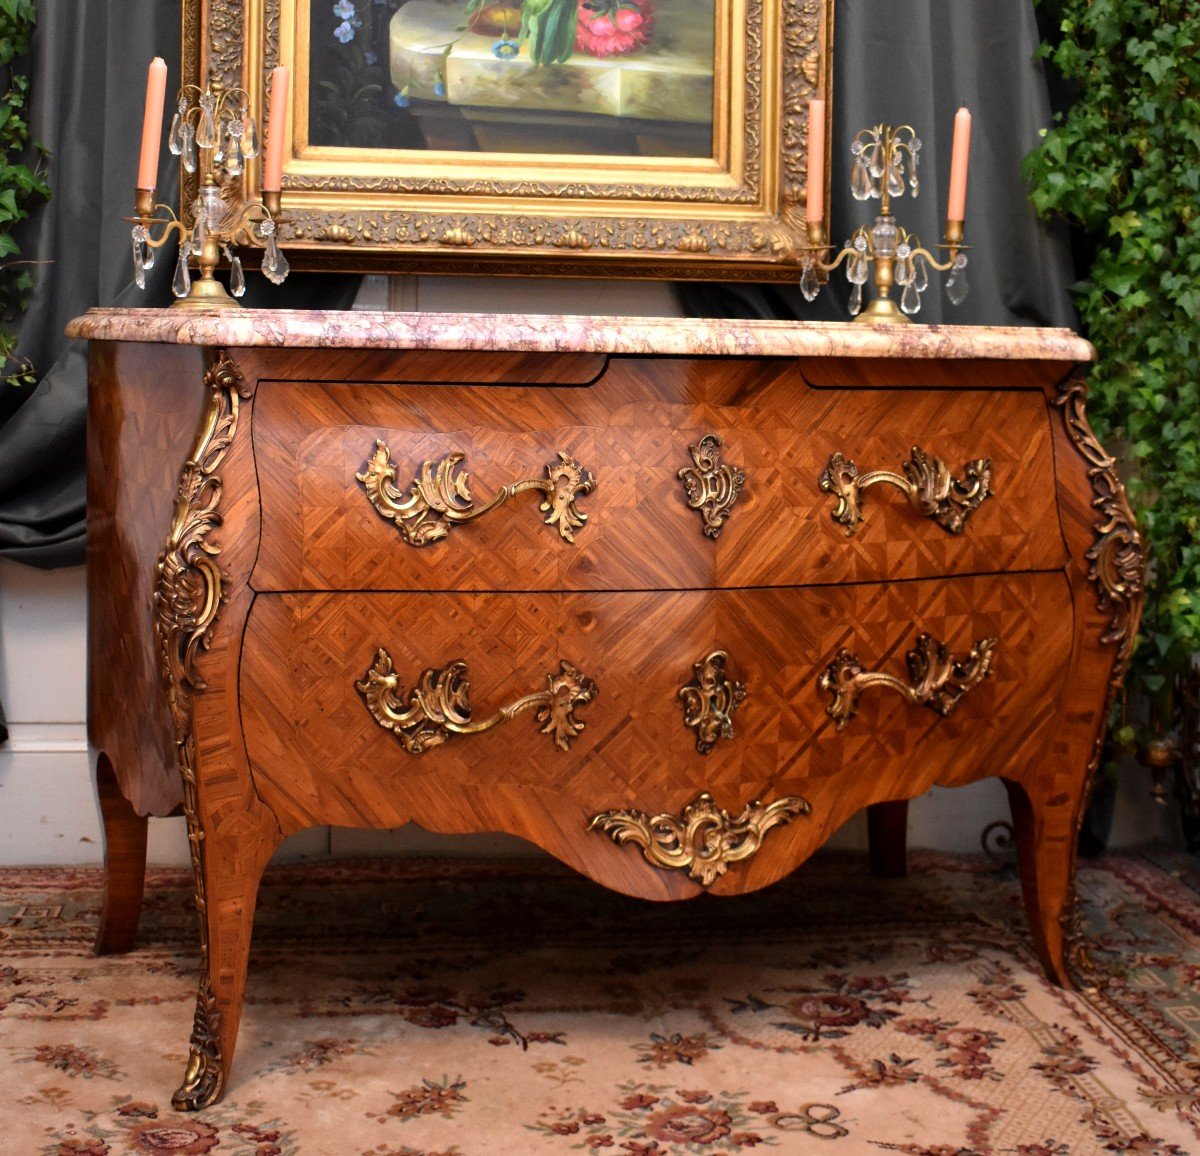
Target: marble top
x,y
360,329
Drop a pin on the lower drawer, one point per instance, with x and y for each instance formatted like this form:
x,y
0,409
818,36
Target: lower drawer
x,y
353,709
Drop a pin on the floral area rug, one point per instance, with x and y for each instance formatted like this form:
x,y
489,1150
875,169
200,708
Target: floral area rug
x,y
462,1009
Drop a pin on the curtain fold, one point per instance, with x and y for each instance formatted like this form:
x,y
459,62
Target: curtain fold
x,y
87,70
915,62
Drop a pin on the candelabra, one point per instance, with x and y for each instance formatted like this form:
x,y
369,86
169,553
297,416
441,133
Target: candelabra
x,y
214,135
885,167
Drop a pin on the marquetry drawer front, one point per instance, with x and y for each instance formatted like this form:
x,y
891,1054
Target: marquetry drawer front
x,y
643,482
376,709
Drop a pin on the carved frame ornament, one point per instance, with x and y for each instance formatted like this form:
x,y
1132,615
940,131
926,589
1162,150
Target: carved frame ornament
x,y
738,214
187,600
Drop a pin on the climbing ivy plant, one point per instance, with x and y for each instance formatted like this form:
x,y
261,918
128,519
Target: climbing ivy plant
x,y
1123,166
20,184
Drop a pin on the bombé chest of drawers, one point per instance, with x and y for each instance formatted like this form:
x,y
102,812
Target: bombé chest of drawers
x,y
669,599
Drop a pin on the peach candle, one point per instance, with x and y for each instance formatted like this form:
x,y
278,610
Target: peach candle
x,y
815,205
156,96
277,114
959,157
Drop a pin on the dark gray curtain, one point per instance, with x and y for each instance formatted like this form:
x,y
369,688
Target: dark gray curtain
x,y
916,62
88,74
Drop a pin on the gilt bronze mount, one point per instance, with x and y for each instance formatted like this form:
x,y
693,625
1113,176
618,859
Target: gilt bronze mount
x,y
438,706
926,481
936,678
440,496
704,840
711,486
709,701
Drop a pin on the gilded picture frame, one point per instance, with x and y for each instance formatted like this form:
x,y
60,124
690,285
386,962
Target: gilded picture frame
x,y
729,208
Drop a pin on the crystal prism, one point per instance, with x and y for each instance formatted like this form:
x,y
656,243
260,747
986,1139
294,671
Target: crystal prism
x,y
250,139
200,230
895,181
237,279
920,273
182,283
956,284
875,161
175,136
904,266
138,238
810,286
855,300
856,269
861,187
910,299
275,265
206,131
189,148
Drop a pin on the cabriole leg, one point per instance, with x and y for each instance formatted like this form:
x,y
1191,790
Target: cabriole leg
x,y
233,863
124,864
1046,831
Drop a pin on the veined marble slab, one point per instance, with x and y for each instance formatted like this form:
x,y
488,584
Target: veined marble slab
x,y
358,329
671,78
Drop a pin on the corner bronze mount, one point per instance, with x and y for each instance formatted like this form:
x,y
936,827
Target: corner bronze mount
x,y
709,701
936,679
711,486
188,595
438,707
926,481
704,840
440,496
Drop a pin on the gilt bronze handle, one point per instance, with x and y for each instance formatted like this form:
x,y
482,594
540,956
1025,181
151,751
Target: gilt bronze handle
x,y
438,706
936,679
927,482
439,498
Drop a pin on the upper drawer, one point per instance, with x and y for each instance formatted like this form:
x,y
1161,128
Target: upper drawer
x,y
631,434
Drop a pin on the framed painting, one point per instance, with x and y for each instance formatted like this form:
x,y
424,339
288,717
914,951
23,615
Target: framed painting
x,y
643,138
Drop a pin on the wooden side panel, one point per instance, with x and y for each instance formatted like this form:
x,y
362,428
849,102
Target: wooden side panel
x,y
144,404
319,757
633,430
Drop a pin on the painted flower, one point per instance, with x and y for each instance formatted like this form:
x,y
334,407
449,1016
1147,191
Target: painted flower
x,y
370,58
344,32
344,10
439,85
689,1125
400,100
613,27
505,49
182,1137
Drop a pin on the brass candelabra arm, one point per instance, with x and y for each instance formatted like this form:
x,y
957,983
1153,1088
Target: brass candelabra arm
x,y
886,254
